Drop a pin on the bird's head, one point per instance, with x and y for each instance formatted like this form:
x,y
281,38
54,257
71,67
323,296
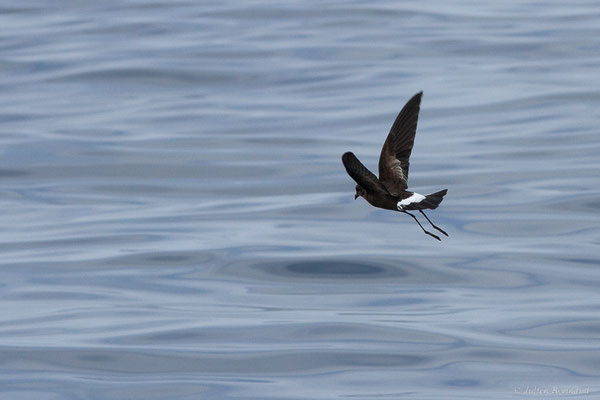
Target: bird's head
x,y
359,192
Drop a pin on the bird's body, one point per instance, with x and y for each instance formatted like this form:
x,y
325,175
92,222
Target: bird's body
x,y
389,191
389,202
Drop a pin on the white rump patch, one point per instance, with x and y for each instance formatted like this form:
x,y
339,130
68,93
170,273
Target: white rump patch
x,y
414,198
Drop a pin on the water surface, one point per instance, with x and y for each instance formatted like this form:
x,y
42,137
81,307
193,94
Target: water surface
x,y
178,224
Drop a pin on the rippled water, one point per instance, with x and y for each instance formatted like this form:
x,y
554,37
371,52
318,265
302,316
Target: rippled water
x,y
177,223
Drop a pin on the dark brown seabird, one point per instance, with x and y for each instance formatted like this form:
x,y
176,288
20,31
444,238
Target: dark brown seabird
x,y
389,191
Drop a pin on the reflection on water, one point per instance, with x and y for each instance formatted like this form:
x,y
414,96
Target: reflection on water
x,y
178,224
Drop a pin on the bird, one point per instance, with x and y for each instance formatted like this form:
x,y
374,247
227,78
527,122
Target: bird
x,y
390,190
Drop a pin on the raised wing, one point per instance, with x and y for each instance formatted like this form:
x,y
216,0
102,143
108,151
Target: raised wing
x,y
365,178
393,161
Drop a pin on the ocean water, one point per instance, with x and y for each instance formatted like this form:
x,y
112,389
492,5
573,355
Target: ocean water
x,y
177,222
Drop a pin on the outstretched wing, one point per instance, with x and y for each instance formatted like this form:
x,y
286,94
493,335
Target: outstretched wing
x,y
393,161
365,178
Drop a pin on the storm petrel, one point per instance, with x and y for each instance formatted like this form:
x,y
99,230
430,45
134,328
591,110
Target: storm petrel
x,y
389,191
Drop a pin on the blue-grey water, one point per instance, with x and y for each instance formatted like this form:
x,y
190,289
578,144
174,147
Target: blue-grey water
x,y
177,223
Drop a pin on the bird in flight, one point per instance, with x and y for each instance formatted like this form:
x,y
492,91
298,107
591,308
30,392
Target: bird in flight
x,y
389,191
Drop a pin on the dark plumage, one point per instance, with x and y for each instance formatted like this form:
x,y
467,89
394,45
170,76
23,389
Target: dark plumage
x,y
389,191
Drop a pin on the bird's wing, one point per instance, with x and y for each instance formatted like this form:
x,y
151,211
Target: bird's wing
x,y
393,161
365,178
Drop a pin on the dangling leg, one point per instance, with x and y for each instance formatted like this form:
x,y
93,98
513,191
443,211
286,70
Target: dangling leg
x,y
417,221
439,229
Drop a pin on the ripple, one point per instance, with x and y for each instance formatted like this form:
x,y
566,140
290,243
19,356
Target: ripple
x,y
338,271
333,269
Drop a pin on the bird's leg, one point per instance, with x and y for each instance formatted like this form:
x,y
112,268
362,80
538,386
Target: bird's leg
x,y
432,224
417,221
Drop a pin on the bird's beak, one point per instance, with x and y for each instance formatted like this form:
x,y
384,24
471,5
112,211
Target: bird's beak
x,y
356,196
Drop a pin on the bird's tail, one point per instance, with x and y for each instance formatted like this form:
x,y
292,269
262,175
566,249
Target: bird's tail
x,y
431,201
